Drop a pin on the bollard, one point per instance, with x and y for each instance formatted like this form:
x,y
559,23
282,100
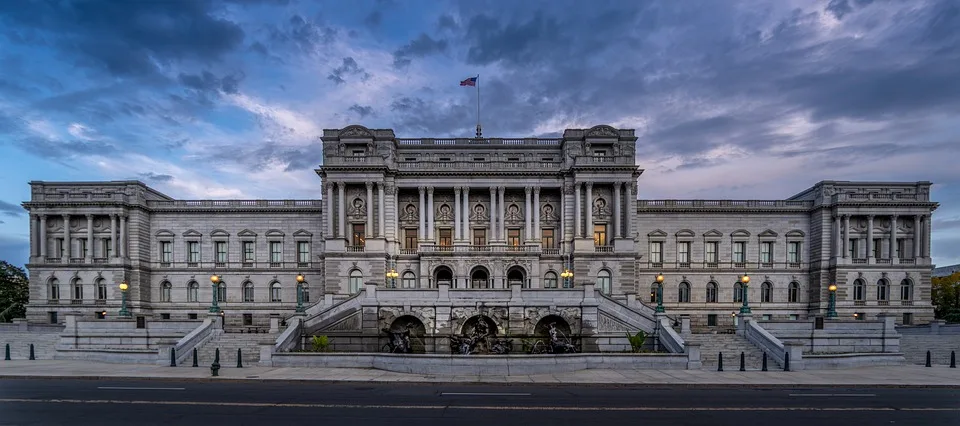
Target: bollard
x,y
32,356
764,368
720,362
215,367
743,362
239,359
195,364
173,357
953,359
928,358
6,357
786,361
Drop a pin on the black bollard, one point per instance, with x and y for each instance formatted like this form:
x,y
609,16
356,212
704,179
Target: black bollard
x,y
6,357
786,361
764,368
215,367
953,358
239,359
32,356
720,362
195,364
743,362
173,357
928,359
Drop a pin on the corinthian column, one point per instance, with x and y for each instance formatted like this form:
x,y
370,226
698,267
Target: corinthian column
x,y
617,199
493,214
369,230
457,214
430,209
577,224
331,229
589,206
465,224
528,215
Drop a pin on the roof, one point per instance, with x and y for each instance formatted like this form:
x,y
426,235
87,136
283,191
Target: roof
x,y
946,270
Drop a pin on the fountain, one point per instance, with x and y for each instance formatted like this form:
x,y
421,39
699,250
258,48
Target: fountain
x,y
479,338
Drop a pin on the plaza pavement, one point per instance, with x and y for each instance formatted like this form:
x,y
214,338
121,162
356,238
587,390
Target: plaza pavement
x,y
900,376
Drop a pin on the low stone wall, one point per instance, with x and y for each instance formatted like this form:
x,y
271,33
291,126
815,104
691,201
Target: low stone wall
x,y
482,365
20,335
840,361
839,336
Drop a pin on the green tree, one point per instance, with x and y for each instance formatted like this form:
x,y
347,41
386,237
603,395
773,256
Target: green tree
x,y
944,297
14,292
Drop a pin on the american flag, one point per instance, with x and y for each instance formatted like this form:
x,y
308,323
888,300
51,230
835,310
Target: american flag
x,y
472,81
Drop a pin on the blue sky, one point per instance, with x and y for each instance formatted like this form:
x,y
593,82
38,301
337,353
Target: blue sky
x,y
739,99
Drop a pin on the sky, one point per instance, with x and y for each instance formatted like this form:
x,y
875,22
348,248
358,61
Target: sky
x,y
734,99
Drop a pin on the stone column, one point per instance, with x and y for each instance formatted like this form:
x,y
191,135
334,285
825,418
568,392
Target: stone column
x,y
493,214
893,238
870,239
113,236
68,252
430,209
457,214
846,235
527,214
369,230
916,236
331,229
398,236
589,206
577,223
501,205
422,234
631,210
89,255
617,231
563,215
381,219
34,235
926,236
123,236
465,224
342,208
43,236
536,214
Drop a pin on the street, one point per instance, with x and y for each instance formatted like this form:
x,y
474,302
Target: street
x,y
125,402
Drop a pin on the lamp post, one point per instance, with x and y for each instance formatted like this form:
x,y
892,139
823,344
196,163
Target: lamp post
x,y
124,313
300,280
214,283
832,304
660,294
745,280
567,274
392,275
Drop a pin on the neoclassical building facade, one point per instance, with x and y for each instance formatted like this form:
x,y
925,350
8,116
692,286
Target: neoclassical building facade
x,y
486,213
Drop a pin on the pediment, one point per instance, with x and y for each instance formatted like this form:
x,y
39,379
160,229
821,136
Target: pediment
x,y
219,233
686,233
247,233
274,233
713,233
658,233
767,233
303,233
740,233
795,233
164,233
192,233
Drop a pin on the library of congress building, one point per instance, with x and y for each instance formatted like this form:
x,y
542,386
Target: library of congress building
x,y
480,213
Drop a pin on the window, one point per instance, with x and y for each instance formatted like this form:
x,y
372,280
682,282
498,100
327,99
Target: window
x,y
603,281
106,248
906,290
794,317
877,248
193,291
547,239
653,293
248,251
276,252
303,251
222,292
53,317
683,252
550,280
599,153
221,250
248,292
513,237
58,246
275,295
77,289
600,235
738,293
711,292
739,251
766,292
907,319
54,292
901,249
711,320
83,247
883,290
479,237
165,291
683,293
356,281
793,252
305,293
794,293
410,238
711,251
855,248
409,280
248,319
193,251
656,252
166,251
101,314
192,316
164,316
445,237
766,252
858,290
359,235
101,289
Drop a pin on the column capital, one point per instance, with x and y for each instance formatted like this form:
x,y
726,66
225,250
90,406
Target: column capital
x,y
341,183
430,190
501,188
457,189
528,190
466,189
589,184
370,186
89,216
536,190
870,217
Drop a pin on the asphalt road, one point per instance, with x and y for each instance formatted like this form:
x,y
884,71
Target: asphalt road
x,y
101,402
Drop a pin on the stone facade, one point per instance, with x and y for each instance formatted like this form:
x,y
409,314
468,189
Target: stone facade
x,y
480,214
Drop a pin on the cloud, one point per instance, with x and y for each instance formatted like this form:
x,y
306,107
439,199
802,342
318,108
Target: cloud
x,y
15,250
9,209
421,46
362,111
155,177
347,68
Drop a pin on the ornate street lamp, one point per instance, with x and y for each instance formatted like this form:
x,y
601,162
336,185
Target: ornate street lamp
x,y
392,275
124,313
832,305
567,274
300,280
214,283
660,293
745,280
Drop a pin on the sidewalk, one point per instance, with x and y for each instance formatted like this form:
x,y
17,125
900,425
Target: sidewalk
x,y
904,376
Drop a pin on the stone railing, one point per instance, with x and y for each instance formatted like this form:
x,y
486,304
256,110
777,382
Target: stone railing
x,y
726,265
184,347
233,203
227,265
762,339
840,336
457,165
799,205
480,141
669,338
437,249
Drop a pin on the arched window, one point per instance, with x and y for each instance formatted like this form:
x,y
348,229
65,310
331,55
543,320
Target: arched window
x,y
356,281
883,290
248,292
101,289
906,289
711,292
794,295
275,295
54,291
550,280
479,279
738,292
653,293
165,291
766,292
221,292
193,291
683,293
859,288
77,289
409,280
603,281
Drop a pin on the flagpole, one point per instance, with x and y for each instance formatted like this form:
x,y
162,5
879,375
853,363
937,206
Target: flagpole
x,y
479,131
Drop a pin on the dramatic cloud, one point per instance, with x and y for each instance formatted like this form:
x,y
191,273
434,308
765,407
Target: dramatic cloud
x,y
348,68
9,209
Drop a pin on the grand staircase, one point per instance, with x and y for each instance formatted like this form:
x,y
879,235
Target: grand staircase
x,y
228,343
731,345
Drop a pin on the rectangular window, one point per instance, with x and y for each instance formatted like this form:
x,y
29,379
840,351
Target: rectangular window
x,y
303,251
193,251
164,316
683,252
656,252
445,237
712,320
59,247
600,235
907,319
410,238
793,252
192,316
855,249
276,252
513,237
479,237
739,251
221,251
247,319
901,248
359,235
711,253
101,290
766,252
877,248
166,251
83,247
248,251
547,239
106,248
